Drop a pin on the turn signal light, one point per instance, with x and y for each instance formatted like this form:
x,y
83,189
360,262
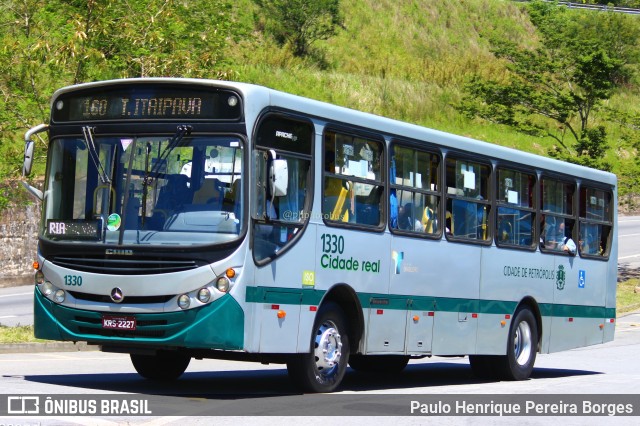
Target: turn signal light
x,y
281,314
230,273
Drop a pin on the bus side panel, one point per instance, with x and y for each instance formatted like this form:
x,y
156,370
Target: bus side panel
x,y
281,282
420,329
454,282
308,310
362,261
414,272
508,276
386,324
579,303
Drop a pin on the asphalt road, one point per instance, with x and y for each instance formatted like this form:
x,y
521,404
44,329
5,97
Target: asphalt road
x,y
240,390
16,305
629,246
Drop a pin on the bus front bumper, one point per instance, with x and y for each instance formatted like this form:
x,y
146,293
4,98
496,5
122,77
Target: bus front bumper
x,y
218,325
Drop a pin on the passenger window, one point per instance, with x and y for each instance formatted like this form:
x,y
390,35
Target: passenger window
x,y
278,219
468,204
353,185
414,200
515,221
595,222
557,224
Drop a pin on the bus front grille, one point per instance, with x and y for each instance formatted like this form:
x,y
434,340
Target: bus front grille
x,y
124,266
136,300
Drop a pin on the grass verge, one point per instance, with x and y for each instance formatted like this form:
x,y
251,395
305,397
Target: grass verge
x,y
627,299
19,334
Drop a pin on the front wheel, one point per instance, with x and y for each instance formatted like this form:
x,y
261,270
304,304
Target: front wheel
x,y
522,345
164,365
322,369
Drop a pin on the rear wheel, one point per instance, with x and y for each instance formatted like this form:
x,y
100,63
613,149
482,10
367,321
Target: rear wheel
x,y
164,365
378,363
322,369
522,345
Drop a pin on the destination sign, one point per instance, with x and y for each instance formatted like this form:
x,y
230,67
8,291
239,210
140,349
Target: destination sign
x,y
73,229
142,102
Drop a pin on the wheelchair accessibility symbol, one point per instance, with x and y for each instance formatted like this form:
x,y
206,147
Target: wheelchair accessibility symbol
x,y
582,278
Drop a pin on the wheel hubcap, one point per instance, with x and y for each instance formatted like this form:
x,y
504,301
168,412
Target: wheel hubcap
x,y
522,343
328,349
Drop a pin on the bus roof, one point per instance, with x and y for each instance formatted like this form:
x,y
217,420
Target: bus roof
x,y
390,127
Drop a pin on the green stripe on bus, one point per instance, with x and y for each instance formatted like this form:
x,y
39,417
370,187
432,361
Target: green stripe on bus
x,y
497,307
287,296
302,296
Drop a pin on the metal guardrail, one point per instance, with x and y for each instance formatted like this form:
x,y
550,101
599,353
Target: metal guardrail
x,y
596,7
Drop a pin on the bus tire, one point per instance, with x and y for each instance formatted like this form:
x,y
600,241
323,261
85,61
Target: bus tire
x,y
164,365
385,364
522,345
323,368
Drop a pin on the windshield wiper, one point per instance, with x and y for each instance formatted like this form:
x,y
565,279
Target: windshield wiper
x,y
174,142
93,153
181,132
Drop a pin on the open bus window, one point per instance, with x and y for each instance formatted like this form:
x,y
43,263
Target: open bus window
x,y
595,222
557,225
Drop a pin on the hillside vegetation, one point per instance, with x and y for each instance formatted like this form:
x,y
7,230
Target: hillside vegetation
x,y
405,59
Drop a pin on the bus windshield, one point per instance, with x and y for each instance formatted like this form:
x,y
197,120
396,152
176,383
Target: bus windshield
x,y
154,190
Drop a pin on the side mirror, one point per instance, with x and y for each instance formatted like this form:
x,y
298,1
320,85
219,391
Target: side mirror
x,y
278,176
29,146
28,158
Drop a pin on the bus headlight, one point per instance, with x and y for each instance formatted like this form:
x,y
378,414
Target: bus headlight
x,y
222,284
47,289
184,301
39,277
59,296
204,295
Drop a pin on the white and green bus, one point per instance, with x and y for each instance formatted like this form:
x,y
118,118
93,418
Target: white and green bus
x,y
206,219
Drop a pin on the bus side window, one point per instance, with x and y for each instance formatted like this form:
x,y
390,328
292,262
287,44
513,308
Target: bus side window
x,y
595,222
515,218
467,199
414,201
352,179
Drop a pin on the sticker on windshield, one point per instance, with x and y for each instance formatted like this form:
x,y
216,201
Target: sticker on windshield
x,y
125,143
113,222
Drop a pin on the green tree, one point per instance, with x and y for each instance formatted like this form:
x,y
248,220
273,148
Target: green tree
x,y
557,88
300,23
48,44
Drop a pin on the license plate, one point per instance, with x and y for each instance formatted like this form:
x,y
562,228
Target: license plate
x,y
119,323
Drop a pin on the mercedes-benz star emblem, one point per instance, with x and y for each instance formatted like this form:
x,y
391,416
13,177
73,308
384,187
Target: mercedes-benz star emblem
x,y
117,295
